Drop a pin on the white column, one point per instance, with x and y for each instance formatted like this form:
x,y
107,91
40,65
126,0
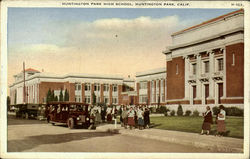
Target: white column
x,y
187,72
216,93
211,72
198,72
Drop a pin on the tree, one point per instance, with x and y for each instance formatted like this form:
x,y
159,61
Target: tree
x,y
180,110
8,102
56,98
93,98
53,96
61,96
48,98
66,95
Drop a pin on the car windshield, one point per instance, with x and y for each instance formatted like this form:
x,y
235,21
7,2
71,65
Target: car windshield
x,y
74,107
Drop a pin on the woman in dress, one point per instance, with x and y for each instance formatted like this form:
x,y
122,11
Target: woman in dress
x,y
146,118
221,126
131,115
125,117
109,114
140,118
208,120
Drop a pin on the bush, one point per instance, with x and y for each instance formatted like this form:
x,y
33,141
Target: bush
x,y
166,114
162,110
172,113
230,111
188,112
196,113
180,111
234,111
216,110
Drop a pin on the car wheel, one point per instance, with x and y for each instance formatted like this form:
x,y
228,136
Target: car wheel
x,y
71,123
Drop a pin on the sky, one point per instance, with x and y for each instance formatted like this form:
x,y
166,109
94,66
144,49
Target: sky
x,y
95,40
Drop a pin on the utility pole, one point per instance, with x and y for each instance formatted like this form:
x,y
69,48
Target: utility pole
x,y
24,90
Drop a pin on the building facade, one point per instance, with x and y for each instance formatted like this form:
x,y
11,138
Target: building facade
x,y
81,87
151,87
205,64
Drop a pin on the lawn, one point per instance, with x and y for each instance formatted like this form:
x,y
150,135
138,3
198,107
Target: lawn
x,y
193,124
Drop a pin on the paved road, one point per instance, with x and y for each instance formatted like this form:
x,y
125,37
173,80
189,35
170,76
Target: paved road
x,y
37,136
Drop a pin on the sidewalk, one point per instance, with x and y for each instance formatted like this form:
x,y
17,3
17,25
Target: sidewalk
x,y
216,144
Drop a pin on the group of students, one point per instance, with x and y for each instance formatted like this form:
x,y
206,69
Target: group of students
x,y
130,115
135,117
220,121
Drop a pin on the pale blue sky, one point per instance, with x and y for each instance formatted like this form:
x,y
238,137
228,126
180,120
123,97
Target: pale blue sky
x,y
82,40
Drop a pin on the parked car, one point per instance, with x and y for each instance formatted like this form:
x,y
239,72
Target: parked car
x,y
26,110
70,113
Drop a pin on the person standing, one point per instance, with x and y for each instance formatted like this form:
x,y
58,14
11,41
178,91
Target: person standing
x,y
124,116
131,116
136,117
109,114
140,118
146,118
103,114
208,120
221,126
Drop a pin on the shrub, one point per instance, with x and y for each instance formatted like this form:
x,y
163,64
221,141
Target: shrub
x,y
180,111
216,110
196,113
188,112
234,111
172,113
166,114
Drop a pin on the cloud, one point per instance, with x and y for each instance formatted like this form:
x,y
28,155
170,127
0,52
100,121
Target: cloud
x,y
104,46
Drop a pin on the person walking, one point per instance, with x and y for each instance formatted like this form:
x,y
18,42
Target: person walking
x,y
146,118
208,120
140,118
131,116
221,126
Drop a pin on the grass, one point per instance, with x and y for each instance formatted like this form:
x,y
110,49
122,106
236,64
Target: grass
x,y
193,124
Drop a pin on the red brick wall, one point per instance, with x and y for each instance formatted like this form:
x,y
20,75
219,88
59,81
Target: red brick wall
x,y
232,101
164,88
83,92
119,94
235,74
176,82
72,92
155,100
45,86
149,87
110,93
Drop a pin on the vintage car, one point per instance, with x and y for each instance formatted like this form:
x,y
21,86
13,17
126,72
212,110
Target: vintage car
x,y
70,113
26,110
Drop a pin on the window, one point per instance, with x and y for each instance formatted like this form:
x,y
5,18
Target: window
x,y
162,97
143,85
143,98
177,69
115,88
87,87
114,100
106,87
206,64
96,87
152,85
233,60
78,86
194,68
220,64
78,98
87,99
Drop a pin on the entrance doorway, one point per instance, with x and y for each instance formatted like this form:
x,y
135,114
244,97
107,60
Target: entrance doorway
x,y
220,92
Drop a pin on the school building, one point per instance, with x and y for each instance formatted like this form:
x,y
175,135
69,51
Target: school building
x,y
108,89
204,66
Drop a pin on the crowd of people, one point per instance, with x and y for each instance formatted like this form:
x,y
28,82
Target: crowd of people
x,y
130,115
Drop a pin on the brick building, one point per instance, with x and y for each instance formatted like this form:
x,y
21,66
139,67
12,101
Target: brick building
x,y
151,87
107,89
205,64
